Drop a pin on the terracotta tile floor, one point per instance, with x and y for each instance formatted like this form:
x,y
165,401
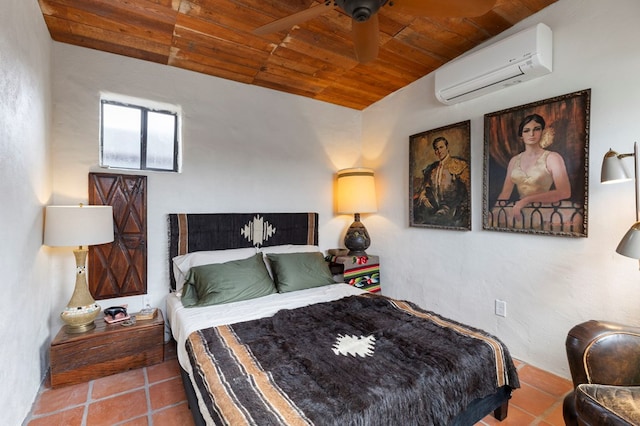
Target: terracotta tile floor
x,y
154,396
537,402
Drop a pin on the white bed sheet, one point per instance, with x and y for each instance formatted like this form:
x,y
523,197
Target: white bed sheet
x,y
183,321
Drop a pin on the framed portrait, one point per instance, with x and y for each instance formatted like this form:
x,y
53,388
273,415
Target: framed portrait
x,y
536,167
440,178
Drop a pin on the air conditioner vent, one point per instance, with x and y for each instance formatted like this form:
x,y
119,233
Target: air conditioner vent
x,y
494,67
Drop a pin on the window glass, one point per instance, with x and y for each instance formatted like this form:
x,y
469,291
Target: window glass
x,y
160,146
137,137
121,129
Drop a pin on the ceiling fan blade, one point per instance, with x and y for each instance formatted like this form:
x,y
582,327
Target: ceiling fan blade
x,y
365,39
445,8
297,18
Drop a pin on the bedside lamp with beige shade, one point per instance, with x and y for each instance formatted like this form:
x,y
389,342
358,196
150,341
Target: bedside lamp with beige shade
x,y
356,194
79,226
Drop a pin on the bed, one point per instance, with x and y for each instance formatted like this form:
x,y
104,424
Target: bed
x,y
308,350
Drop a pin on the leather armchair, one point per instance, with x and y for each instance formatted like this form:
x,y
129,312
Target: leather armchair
x,y
604,360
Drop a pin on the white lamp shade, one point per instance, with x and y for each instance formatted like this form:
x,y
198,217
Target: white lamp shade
x,y
78,225
630,244
356,190
612,169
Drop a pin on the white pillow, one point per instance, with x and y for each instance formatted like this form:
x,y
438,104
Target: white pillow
x,y
182,264
287,248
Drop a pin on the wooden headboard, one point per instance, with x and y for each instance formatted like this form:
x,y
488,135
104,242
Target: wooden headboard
x,y
189,232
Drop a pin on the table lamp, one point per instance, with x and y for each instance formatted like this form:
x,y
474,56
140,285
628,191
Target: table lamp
x,y
613,171
79,226
356,194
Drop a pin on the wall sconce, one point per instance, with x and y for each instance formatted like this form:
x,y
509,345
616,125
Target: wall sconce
x,y
78,226
613,171
356,194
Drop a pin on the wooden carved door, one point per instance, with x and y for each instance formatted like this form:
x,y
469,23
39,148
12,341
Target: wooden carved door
x,y
120,268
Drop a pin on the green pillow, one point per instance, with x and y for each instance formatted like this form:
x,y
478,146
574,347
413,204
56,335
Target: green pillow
x,y
227,282
297,271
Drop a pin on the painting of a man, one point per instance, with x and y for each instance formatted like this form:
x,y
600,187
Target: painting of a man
x,y
441,190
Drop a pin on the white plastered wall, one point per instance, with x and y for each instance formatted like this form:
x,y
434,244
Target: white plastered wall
x,y
25,108
549,283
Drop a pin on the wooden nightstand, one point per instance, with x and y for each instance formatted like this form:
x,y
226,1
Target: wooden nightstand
x,y
107,349
359,271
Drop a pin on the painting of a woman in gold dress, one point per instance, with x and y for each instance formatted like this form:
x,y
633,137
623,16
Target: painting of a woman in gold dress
x,y
536,167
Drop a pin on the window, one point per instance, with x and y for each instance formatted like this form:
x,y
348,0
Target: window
x,y
138,137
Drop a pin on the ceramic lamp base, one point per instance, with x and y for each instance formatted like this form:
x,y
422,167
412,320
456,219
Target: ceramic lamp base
x,y
82,309
80,318
357,238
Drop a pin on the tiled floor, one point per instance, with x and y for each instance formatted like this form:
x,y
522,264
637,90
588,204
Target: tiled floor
x,y
146,396
154,396
537,402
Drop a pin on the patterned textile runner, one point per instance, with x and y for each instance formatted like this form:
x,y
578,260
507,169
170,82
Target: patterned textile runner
x,y
189,232
360,360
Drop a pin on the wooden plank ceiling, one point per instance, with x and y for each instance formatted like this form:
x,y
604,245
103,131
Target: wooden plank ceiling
x,y
314,59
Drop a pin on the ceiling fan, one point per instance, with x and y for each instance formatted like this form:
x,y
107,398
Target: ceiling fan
x,y
364,14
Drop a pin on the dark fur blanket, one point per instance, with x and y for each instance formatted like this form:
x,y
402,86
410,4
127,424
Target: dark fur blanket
x,y
361,360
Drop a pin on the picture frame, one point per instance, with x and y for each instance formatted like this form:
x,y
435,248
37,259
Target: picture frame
x,y
538,184
440,178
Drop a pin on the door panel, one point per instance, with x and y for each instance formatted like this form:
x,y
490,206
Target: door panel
x,y
120,268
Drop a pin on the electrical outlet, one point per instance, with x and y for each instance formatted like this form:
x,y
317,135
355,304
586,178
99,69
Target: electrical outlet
x,y
501,308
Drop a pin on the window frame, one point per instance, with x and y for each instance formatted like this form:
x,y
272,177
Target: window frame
x,y
144,111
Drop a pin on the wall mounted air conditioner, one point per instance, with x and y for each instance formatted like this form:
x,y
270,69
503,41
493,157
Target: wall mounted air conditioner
x,y
517,58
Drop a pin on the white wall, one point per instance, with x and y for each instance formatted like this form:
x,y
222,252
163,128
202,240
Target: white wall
x,y
246,149
550,283
25,49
